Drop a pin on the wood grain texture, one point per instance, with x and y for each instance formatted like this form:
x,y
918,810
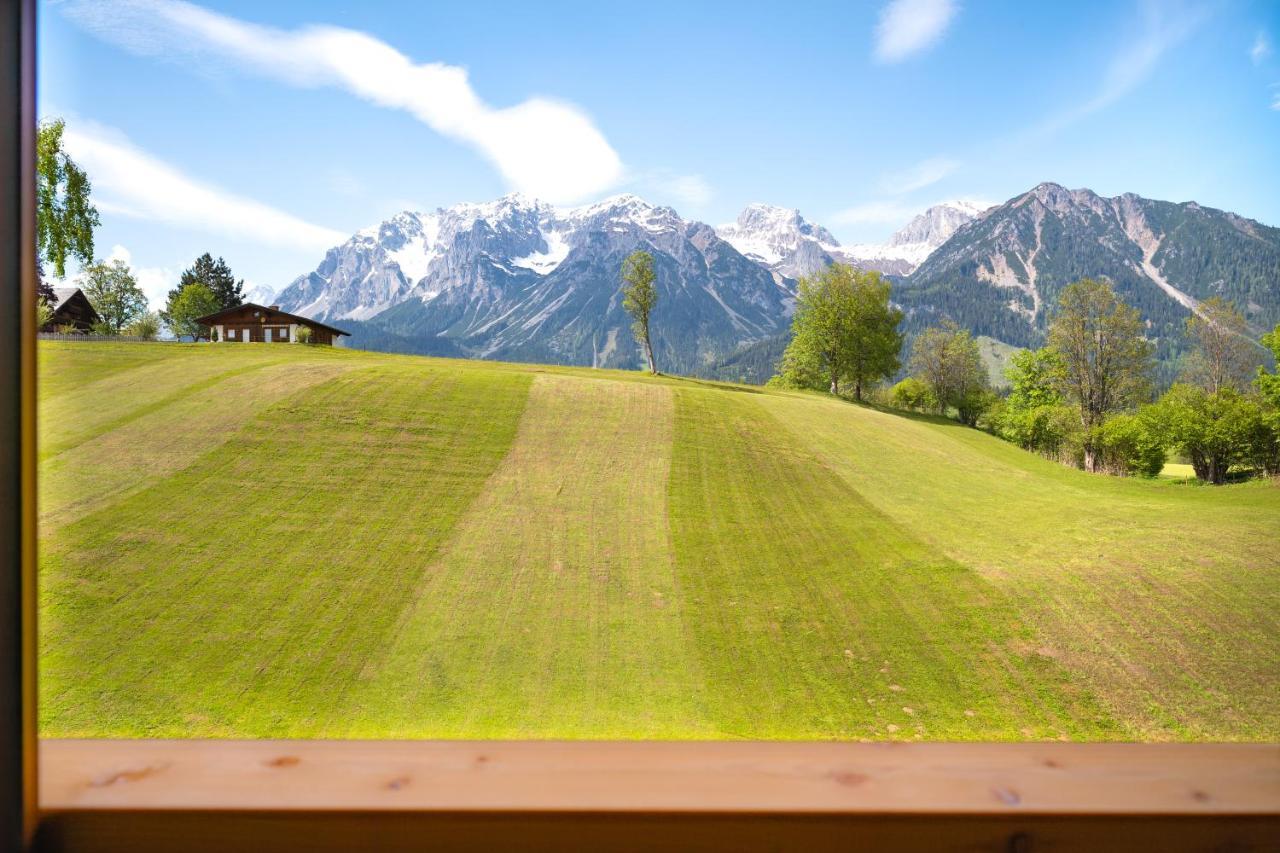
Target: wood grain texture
x,y
663,777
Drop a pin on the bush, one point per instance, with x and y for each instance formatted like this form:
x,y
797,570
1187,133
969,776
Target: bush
x,y
102,328
44,314
913,395
1131,445
146,327
304,335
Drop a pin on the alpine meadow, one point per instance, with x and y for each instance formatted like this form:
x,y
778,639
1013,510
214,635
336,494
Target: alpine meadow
x,y
370,545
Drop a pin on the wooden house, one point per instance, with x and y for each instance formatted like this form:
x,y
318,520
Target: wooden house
x,y
251,323
71,310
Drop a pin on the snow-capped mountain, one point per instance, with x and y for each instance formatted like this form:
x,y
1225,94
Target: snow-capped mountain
x,y
782,240
259,294
914,242
518,278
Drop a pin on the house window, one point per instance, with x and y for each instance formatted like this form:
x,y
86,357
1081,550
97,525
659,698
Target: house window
x,y
231,333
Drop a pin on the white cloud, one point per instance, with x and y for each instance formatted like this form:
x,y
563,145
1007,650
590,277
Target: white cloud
x,y
131,182
154,281
910,26
1163,28
545,148
875,213
1261,48
923,174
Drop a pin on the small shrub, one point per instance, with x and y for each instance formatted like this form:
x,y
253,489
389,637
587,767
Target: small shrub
x,y
913,395
146,327
304,335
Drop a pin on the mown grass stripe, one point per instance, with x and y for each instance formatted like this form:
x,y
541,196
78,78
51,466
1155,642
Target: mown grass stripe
x,y
245,594
553,610
816,616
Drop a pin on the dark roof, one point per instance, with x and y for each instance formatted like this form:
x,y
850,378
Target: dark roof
x,y
212,319
62,294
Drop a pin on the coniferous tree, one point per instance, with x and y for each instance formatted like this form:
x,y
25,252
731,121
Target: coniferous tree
x,y
216,276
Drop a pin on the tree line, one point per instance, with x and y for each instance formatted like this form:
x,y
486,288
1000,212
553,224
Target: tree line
x,y
1086,398
65,221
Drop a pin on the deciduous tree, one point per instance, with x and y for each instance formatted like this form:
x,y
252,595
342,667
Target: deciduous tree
x,y
639,296
65,218
1222,356
191,302
947,359
844,330
1106,362
114,294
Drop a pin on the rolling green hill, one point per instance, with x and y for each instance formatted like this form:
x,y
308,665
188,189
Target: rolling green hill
x,y
294,541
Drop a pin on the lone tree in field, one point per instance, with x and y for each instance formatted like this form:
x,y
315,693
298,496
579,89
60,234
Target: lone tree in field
x,y
639,295
844,330
114,294
65,218
1106,363
192,302
946,358
1223,356
214,275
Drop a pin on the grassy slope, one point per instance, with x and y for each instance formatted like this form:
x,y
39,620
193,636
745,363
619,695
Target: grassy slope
x,y
279,541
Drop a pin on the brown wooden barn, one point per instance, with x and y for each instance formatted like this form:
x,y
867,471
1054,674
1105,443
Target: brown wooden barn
x,y
71,309
250,323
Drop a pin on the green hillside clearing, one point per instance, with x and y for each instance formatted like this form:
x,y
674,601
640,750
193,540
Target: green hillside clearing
x,y
252,541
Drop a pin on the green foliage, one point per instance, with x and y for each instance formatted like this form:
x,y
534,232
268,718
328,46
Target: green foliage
x,y
146,327
303,335
44,314
1106,362
1215,431
114,294
844,330
186,306
1132,444
1268,382
639,296
65,217
913,395
946,359
214,275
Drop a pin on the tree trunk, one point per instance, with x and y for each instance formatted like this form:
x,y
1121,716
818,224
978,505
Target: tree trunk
x,y
835,384
1090,458
648,353
857,390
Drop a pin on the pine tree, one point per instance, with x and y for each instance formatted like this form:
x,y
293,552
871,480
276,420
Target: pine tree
x,y
216,276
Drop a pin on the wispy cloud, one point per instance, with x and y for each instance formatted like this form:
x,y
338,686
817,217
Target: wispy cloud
x,y
543,147
131,182
909,26
1261,48
1164,26
923,174
1275,96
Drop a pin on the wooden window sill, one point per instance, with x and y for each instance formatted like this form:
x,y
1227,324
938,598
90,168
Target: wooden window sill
x,y
100,795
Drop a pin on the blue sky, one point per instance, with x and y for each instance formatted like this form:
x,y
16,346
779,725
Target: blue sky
x,y
266,132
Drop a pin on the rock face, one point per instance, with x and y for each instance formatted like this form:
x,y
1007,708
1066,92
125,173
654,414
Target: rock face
x,y
1001,274
520,279
523,280
782,240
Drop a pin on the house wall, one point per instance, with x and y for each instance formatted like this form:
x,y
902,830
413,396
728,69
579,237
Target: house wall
x,y
256,325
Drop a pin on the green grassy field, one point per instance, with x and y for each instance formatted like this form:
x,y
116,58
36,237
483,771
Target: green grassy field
x,y
279,541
